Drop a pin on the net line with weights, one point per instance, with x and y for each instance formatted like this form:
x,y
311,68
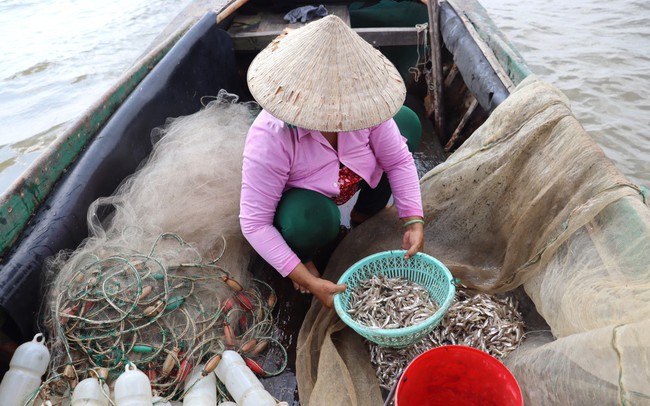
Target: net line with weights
x,y
162,313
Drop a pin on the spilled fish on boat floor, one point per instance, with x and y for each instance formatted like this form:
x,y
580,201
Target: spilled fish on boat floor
x,y
482,321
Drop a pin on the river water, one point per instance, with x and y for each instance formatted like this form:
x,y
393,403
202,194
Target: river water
x,y
598,54
58,57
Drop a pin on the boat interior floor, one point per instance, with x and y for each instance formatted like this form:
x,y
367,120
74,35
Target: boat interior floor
x,y
288,314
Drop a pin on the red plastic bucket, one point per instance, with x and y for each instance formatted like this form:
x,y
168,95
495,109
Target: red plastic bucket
x,y
457,375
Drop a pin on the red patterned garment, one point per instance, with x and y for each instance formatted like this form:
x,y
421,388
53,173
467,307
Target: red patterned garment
x,y
349,183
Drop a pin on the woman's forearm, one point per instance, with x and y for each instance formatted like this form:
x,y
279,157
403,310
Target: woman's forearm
x,y
322,289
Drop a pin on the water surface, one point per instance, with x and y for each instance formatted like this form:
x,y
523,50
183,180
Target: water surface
x,y
598,53
58,57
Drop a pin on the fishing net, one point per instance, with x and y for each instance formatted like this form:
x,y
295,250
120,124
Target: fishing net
x,y
162,282
528,201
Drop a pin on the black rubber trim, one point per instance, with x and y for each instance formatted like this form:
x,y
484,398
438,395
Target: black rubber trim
x,y
478,74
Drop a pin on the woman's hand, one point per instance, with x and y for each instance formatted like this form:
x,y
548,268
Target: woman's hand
x,y
306,278
313,270
413,240
325,290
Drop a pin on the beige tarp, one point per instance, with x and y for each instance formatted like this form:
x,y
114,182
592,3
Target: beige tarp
x,y
528,199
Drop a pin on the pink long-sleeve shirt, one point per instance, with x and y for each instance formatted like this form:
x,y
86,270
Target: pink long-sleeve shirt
x,y
277,158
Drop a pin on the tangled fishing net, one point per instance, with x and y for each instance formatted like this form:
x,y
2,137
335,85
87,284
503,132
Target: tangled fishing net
x,y
162,280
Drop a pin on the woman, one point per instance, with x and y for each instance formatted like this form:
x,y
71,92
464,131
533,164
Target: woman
x,y
326,130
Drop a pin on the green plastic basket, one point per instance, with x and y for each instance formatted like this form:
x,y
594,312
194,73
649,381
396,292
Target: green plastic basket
x,y
422,269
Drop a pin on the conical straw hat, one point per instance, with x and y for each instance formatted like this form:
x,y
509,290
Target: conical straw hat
x,y
325,77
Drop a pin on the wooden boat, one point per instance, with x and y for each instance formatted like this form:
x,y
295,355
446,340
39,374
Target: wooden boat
x,y
472,70
44,211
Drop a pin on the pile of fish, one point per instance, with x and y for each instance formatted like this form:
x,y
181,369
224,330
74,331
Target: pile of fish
x,y
382,302
482,321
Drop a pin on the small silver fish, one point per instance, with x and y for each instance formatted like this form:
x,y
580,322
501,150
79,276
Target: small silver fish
x,y
478,320
390,303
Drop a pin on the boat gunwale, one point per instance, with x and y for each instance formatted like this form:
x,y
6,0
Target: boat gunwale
x,y
505,58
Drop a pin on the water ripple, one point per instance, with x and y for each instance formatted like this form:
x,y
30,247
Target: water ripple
x,y
598,54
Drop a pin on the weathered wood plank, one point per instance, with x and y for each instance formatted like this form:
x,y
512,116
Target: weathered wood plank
x,y
255,41
264,23
461,125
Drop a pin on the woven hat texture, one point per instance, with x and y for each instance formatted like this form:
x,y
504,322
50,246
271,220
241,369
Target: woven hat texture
x,y
325,77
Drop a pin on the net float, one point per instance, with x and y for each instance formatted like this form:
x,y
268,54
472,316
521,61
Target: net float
x,y
145,292
255,366
183,370
272,300
248,346
228,334
155,309
170,361
233,284
211,364
244,301
260,347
